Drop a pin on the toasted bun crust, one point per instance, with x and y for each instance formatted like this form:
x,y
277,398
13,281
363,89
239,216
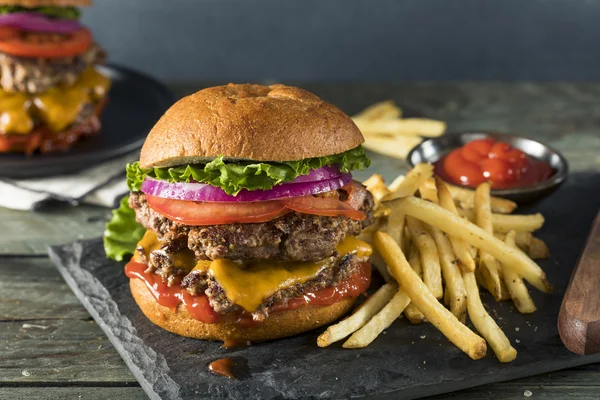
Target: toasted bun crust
x,y
248,122
277,325
46,3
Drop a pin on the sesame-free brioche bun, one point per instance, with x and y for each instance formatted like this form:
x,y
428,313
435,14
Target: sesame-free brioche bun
x,y
277,325
248,122
46,3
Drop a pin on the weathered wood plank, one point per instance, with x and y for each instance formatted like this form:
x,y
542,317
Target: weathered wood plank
x,y
84,393
24,232
31,288
511,391
496,391
68,350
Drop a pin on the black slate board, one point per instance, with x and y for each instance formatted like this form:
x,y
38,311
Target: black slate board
x,y
406,362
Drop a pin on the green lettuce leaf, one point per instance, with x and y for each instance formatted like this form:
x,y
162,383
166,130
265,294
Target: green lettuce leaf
x,y
52,12
122,232
233,177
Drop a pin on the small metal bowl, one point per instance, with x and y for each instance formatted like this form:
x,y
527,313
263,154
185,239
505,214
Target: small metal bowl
x,y
431,150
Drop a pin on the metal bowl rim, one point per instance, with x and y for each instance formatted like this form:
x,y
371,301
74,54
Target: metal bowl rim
x,y
558,178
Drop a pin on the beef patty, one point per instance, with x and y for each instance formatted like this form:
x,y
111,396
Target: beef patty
x,y
291,237
334,271
37,75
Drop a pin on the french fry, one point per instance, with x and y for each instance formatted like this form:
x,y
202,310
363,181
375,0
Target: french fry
x,y
396,147
382,320
484,324
428,193
393,187
401,127
454,225
534,247
489,267
503,223
382,110
465,339
359,317
411,312
406,239
455,287
518,291
373,180
376,185
466,198
407,187
462,250
395,227
430,260
410,184
380,266
538,249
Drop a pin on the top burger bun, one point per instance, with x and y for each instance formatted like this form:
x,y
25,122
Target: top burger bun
x,y
46,3
248,122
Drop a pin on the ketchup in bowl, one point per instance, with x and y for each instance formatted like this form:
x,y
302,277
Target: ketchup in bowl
x,y
487,160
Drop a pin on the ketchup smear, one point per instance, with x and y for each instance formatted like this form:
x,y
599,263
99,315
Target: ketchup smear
x,y
200,309
486,160
171,297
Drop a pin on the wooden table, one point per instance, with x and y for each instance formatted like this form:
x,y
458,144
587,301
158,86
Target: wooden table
x,y
51,348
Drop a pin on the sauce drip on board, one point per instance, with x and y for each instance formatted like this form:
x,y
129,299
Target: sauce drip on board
x,y
486,160
232,344
223,367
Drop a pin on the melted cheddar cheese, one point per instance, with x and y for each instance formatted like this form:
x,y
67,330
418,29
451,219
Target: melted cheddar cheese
x,y
57,108
248,285
183,259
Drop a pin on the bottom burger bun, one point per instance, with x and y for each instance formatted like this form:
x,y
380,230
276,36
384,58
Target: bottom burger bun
x,y
277,325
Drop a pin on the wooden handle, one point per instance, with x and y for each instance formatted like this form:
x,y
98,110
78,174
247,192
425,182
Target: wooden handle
x,y
579,317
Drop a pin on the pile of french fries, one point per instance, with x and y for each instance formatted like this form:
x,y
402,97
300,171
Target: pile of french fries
x,y
386,132
436,243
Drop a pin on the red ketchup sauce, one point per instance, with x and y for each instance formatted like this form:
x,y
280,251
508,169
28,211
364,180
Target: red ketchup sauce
x,y
487,160
171,297
200,309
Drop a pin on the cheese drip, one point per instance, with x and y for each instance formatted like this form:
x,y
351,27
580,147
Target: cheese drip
x,y
57,108
248,285
183,259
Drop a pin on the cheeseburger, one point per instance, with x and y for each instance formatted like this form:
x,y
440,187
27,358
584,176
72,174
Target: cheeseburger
x,y
247,215
50,93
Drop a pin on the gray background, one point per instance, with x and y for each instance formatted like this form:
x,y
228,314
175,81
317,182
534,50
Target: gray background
x,y
352,40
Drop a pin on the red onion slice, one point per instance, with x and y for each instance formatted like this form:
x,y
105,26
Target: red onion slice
x,y
38,23
319,174
208,193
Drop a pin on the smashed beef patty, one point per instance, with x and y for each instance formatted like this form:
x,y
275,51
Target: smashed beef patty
x,y
334,271
291,237
37,75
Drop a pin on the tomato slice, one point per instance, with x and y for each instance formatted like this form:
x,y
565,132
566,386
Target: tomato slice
x,y
6,33
326,206
197,213
21,43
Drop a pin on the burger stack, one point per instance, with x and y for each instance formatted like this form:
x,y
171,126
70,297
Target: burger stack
x,y
243,215
51,95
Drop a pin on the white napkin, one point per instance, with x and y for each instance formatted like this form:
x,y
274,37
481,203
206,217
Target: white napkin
x,y
103,185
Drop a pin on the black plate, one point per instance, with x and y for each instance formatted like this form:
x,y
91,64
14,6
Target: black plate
x,y
136,102
405,362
